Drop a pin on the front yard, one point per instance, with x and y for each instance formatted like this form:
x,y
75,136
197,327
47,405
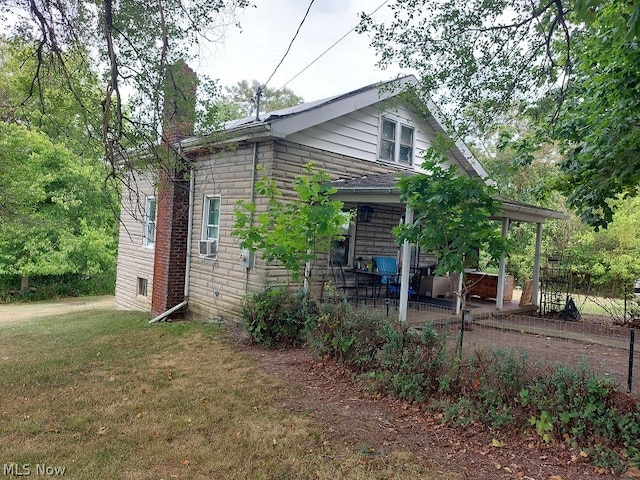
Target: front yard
x,y
103,394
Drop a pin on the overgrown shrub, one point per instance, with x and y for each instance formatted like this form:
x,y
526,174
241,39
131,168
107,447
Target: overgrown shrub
x,y
575,405
399,361
498,387
277,316
495,378
348,334
411,361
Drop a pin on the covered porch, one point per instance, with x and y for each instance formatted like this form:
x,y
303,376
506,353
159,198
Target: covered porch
x,y
377,203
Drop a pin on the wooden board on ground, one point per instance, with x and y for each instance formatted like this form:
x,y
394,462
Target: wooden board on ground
x,y
527,294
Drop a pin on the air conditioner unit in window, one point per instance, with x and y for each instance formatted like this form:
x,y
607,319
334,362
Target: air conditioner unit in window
x,y
208,248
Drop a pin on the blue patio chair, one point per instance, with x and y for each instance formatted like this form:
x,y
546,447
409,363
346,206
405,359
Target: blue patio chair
x,y
389,265
394,288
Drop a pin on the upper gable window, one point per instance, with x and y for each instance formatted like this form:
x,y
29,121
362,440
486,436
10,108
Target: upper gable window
x,y
396,141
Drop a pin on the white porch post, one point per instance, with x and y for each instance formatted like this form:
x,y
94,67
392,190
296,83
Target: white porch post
x,y
406,270
501,271
536,266
458,303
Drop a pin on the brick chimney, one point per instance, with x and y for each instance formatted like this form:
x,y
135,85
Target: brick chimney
x,y
173,191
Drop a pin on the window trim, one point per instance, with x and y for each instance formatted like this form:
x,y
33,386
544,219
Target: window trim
x,y
146,241
351,234
397,144
142,287
212,249
205,217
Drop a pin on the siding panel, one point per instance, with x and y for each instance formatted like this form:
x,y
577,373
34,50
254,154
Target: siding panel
x,y
356,134
134,259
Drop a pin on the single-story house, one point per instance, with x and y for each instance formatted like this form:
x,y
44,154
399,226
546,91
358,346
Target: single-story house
x,y
176,254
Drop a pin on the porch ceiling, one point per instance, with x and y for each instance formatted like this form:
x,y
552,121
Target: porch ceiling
x,y
382,189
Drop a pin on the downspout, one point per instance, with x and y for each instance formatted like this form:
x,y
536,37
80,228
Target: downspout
x,y
169,312
192,183
254,165
253,171
187,273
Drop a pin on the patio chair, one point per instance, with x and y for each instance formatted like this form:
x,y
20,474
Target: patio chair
x,y
340,280
388,267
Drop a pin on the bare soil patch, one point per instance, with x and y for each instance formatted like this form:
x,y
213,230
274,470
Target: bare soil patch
x,y
327,393
21,312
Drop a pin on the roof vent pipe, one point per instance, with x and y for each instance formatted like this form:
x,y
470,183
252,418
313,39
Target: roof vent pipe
x,y
258,95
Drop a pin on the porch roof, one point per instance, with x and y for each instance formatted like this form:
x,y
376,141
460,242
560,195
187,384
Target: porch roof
x,y
382,189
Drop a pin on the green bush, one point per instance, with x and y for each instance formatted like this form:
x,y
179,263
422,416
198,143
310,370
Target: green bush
x,y
45,287
350,335
498,387
277,316
580,407
495,379
400,361
411,361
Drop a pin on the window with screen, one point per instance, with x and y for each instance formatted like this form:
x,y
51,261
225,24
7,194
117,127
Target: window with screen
x,y
396,141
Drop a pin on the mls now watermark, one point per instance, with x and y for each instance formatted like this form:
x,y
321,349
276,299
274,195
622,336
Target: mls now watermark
x,y
27,469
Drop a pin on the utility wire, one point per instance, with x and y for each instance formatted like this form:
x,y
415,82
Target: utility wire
x,y
290,44
323,53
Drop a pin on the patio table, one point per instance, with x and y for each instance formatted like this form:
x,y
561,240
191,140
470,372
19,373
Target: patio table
x,y
366,279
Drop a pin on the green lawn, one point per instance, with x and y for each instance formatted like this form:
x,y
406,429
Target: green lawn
x,y
103,394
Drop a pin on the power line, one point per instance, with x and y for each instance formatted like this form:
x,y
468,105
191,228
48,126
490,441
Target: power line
x,y
323,53
290,44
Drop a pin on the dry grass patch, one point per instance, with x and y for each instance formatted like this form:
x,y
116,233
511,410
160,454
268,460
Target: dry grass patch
x,y
103,394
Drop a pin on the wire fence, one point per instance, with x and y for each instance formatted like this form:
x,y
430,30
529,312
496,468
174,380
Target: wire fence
x,y
601,342
604,347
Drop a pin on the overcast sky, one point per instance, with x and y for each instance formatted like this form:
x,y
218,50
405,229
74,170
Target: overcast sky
x,y
254,51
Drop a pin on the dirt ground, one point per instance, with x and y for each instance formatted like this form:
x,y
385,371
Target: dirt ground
x,y
20,312
346,414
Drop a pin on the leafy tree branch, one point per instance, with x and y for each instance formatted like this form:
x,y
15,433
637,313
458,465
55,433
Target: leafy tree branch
x,y
292,231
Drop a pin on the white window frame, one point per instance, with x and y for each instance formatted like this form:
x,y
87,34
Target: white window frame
x,y
149,241
399,125
350,234
205,220
142,288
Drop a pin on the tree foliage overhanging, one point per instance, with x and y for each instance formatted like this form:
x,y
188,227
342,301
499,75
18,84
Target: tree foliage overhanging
x,y
570,65
460,207
56,216
132,45
82,86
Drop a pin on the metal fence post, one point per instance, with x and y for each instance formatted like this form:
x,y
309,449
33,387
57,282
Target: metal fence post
x,y
461,331
632,338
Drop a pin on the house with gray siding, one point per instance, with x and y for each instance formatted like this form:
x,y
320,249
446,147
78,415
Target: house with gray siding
x,y
176,253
